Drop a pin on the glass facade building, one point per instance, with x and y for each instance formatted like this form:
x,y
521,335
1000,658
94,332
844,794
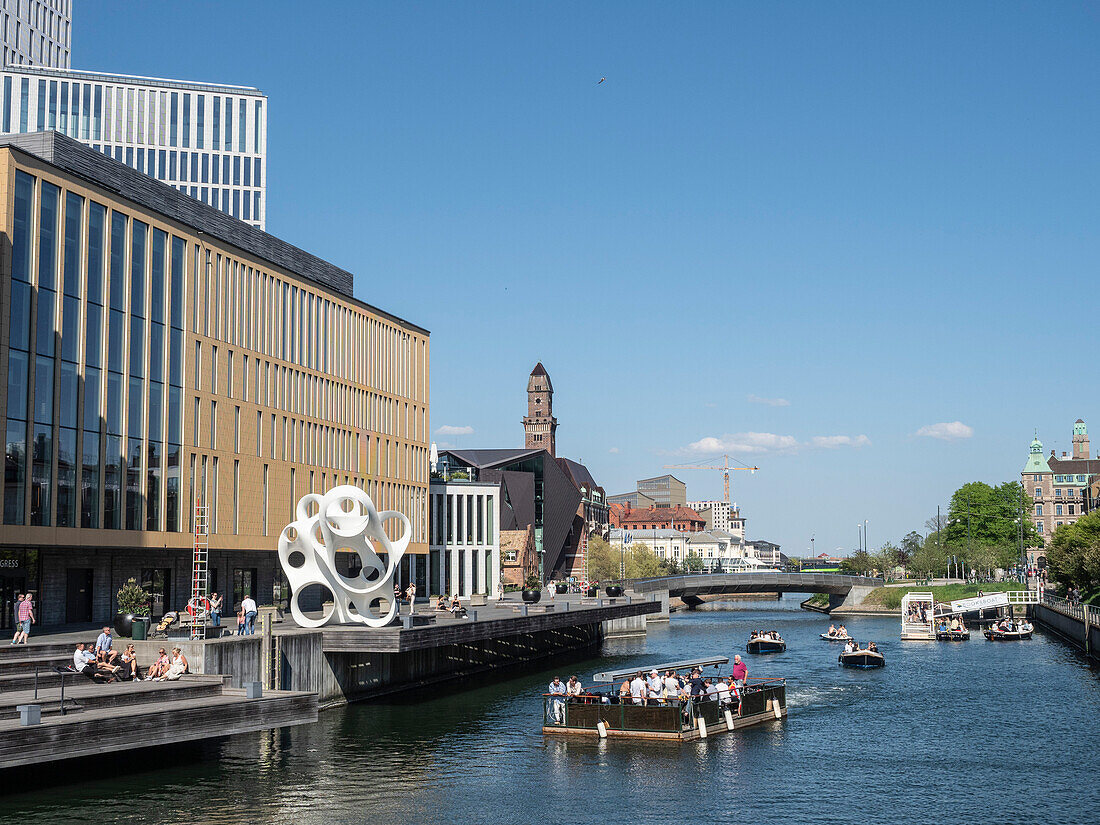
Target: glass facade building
x,y
158,356
36,32
208,141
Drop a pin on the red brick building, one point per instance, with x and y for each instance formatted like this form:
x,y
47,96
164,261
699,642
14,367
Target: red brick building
x,y
656,518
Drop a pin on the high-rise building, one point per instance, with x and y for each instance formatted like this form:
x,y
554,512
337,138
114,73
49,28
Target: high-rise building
x,y
158,357
540,428
36,32
206,140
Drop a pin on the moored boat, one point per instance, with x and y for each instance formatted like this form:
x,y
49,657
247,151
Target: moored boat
x,y
829,638
764,644
952,635
862,659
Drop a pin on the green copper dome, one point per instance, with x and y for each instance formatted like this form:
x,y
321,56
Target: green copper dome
x,y
1036,461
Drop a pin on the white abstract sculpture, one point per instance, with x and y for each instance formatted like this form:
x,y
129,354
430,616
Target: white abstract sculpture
x,y
345,520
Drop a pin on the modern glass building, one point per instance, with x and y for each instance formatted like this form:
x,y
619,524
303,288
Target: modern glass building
x,y
157,355
36,32
208,141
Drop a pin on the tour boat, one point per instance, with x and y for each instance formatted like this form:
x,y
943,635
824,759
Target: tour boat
x,y
829,638
862,658
995,635
762,644
953,635
601,712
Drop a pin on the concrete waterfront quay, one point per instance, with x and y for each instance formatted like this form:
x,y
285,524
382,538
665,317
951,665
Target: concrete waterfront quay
x,y
295,670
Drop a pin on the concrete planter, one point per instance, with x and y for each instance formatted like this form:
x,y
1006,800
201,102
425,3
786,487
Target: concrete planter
x,y
561,589
124,624
613,591
532,596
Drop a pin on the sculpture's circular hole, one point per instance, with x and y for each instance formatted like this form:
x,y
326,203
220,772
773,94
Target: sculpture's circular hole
x,y
316,601
296,559
291,534
371,574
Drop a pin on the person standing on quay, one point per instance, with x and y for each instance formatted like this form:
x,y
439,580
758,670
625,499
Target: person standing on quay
x,y
25,616
15,615
248,606
215,609
410,594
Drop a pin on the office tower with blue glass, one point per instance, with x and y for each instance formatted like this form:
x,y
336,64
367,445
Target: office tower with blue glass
x,y
36,32
206,140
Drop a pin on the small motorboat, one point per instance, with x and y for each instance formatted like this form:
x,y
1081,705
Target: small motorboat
x,y
953,635
829,638
1021,632
862,658
765,644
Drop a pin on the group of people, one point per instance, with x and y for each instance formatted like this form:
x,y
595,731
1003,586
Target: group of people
x,y
656,688
100,662
840,632
455,607
766,635
956,625
853,647
918,612
1011,625
24,618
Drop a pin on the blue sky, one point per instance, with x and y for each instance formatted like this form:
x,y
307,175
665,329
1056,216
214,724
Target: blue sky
x,y
853,244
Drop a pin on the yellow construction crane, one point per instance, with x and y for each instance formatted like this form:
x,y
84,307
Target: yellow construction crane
x,y
725,468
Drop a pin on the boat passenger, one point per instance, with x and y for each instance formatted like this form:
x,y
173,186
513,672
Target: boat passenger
x,y
624,691
672,685
637,689
697,686
832,630
655,687
740,671
557,692
849,647
710,689
722,691
573,688
842,631
872,647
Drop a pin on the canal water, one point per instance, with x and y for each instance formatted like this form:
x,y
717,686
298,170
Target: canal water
x,y
975,732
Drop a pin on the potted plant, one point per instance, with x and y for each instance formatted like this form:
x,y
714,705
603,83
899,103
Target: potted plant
x,y
561,588
133,602
532,589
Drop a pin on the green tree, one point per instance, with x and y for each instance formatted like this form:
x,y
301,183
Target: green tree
x,y
887,558
1073,556
980,514
910,544
693,563
859,563
930,559
642,563
603,560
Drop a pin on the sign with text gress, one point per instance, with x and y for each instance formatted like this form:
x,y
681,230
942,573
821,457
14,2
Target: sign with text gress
x,y
980,603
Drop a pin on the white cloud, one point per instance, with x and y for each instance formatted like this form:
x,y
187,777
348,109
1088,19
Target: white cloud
x,y
946,431
744,443
448,429
758,443
831,442
613,450
769,402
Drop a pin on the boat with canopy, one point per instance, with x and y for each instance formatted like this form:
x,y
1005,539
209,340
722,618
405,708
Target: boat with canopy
x,y
602,711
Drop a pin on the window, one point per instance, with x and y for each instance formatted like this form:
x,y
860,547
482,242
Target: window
x,y
237,429
1038,492
1038,509
1071,510
214,370
1057,509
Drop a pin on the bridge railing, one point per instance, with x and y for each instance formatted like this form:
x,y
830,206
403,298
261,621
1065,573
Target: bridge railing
x,y
765,578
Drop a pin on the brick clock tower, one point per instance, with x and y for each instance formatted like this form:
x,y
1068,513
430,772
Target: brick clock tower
x,y
539,425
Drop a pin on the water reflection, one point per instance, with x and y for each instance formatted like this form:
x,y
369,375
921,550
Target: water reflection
x,y
915,741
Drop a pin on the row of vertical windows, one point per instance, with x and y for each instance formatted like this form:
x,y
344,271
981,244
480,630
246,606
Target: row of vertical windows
x,y
134,115
94,366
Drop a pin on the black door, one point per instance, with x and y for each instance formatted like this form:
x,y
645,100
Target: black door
x,y
10,588
78,595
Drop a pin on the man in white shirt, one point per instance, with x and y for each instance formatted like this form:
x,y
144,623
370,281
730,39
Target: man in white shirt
x,y
557,704
637,689
573,687
248,605
84,661
654,684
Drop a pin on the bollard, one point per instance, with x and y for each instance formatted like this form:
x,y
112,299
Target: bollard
x,y
565,605
29,714
602,728
407,622
253,690
523,610
472,615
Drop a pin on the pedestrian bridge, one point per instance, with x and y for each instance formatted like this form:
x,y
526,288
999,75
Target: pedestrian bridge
x,y
691,588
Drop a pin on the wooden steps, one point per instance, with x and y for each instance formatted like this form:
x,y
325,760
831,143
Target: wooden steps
x,y
83,696
111,729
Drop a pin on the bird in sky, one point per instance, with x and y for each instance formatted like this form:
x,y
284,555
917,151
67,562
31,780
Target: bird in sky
x,y
601,80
